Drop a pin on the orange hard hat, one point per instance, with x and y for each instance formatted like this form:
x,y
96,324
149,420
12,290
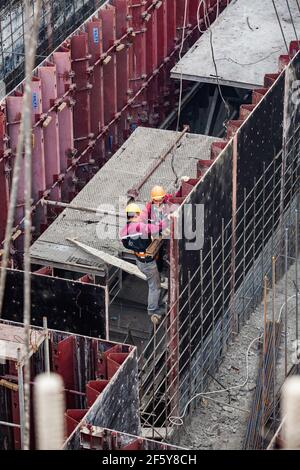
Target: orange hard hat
x,y
157,193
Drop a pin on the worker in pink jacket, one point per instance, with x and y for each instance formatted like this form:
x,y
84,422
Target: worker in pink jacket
x,y
137,235
160,206
158,211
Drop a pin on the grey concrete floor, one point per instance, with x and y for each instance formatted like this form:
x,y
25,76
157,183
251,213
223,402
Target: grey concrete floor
x,y
220,419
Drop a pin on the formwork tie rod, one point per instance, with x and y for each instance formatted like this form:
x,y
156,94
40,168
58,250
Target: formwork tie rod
x,y
80,208
134,192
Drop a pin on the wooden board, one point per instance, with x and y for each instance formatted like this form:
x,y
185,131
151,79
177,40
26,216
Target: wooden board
x,y
109,259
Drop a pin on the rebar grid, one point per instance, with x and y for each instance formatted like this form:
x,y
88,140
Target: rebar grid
x,y
205,304
58,19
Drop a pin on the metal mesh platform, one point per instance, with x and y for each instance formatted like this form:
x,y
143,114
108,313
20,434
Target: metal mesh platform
x,y
247,42
108,190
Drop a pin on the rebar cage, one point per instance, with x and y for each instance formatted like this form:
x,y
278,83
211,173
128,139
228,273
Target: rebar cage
x,y
251,204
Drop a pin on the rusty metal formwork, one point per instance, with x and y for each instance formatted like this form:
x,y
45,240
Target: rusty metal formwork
x,y
107,78
99,378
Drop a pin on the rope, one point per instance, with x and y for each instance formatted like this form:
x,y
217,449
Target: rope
x,y
178,420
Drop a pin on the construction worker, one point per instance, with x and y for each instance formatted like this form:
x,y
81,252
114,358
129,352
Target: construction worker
x,y
136,236
157,211
159,207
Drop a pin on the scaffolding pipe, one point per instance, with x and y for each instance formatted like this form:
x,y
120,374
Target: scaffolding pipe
x,y
291,412
46,345
81,208
21,396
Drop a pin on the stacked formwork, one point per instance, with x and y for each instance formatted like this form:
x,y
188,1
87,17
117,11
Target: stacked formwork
x,y
107,78
77,306
100,382
250,194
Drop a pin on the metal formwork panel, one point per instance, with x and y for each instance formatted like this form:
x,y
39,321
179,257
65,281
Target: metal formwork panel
x,y
81,115
95,43
122,55
171,19
38,154
138,63
50,125
108,16
13,115
4,168
65,102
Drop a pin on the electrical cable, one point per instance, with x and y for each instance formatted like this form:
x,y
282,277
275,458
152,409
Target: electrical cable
x,y
229,59
180,89
180,57
209,28
292,20
280,26
178,420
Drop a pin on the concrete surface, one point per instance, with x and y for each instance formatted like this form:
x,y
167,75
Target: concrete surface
x,y
109,186
223,425
247,43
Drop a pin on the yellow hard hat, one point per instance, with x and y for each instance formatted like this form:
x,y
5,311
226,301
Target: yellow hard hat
x,y
133,208
157,193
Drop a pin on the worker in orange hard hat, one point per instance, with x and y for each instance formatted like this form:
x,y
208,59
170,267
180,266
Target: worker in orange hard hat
x,y
136,236
160,205
157,211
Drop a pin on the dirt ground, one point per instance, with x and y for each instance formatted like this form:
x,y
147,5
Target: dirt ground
x,y
220,419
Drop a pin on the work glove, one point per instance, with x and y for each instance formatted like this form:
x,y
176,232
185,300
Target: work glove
x,y
184,179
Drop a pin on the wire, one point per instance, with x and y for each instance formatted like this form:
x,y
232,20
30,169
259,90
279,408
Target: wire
x,y
180,57
280,26
229,59
208,25
180,89
292,20
178,420
283,305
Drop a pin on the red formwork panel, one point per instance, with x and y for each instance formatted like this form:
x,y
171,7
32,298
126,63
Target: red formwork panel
x,y
93,389
13,113
122,55
109,80
180,10
4,174
82,114
62,60
171,21
163,91
73,418
138,63
38,153
47,75
114,361
95,44
64,364
152,64
108,16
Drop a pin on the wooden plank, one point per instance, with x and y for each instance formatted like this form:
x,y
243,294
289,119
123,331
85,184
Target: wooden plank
x,y
109,259
154,247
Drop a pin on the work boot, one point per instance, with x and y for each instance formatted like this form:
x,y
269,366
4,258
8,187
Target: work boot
x,y
159,312
156,319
